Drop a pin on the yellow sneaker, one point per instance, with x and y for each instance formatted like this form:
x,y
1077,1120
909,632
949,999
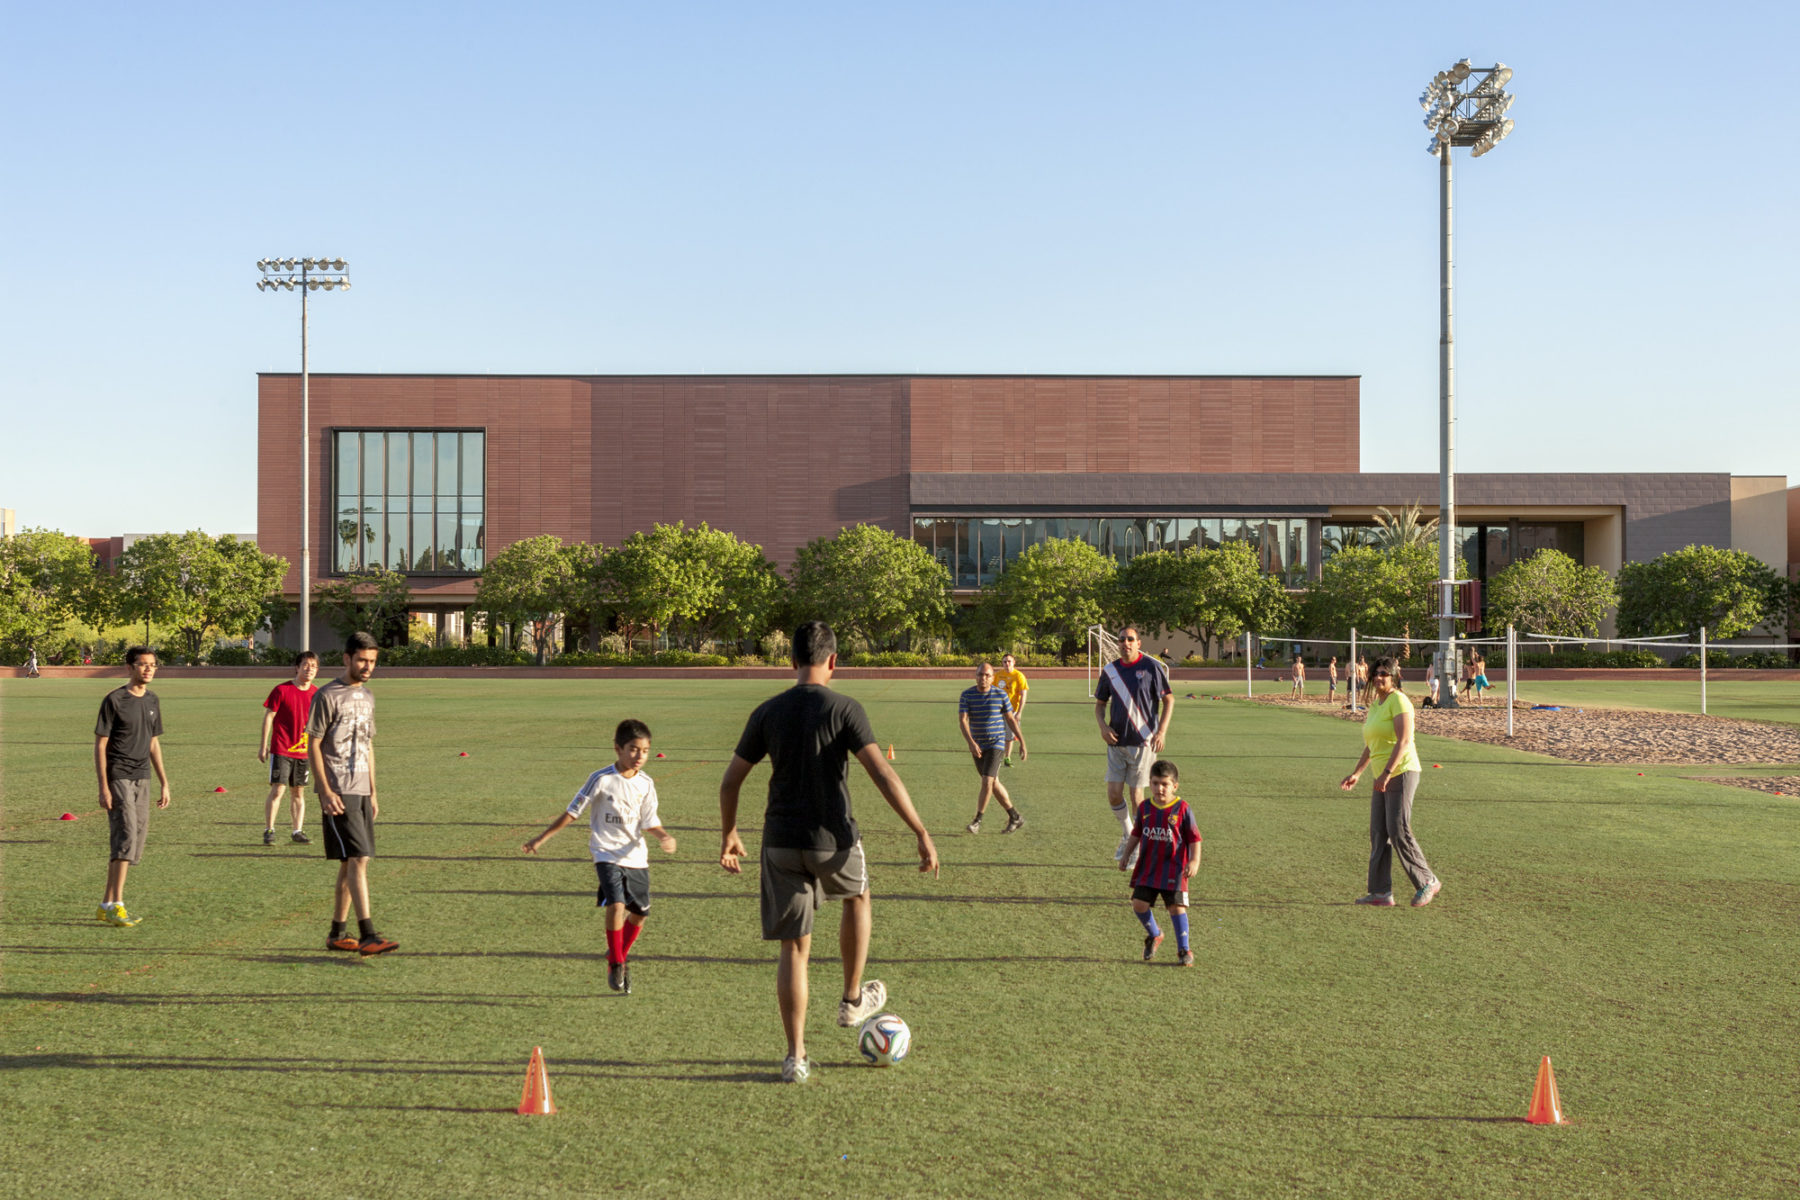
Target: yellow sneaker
x,y
103,914
118,916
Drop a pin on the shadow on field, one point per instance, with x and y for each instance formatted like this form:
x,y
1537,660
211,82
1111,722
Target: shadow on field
x,y
579,1068
473,1000
1399,1117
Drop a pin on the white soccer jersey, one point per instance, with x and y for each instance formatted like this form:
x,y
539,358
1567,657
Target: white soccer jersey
x,y
622,809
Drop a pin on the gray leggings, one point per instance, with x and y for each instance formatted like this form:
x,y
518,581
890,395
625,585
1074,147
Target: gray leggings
x,y
1390,833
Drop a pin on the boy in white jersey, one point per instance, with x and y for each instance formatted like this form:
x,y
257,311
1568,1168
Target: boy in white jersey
x,y
623,801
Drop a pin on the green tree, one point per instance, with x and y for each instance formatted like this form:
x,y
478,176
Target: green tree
x,y
646,583
867,582
1052,591
44,575
733,591
1727,591
1212,593
1408,527
1385,592
533,581
204,587
1551,593
374,601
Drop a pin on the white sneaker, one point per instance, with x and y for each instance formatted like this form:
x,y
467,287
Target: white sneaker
x,y
795,1070
1120,852
870,1002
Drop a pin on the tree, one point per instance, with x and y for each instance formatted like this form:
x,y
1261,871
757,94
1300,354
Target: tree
x,y
646,583
1408,527
1218,592
205,587
44,574
867,582
734,591
534,581
1386,592
374,601
1552,593
1053,590
1727,591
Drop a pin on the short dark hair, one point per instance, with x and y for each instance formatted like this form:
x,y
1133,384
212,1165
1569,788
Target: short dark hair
x,y
360,641
137,652
303,656
1162,768
630,730
813,643
1391,666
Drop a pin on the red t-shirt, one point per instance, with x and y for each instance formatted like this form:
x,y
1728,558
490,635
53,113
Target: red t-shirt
x,y
291,707
1169,836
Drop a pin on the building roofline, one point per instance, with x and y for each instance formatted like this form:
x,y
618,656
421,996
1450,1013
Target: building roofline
x,y
886,375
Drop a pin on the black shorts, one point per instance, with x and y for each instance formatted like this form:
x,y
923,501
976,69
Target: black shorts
x,y
988,765
350,834
629,886
1170,897
289,772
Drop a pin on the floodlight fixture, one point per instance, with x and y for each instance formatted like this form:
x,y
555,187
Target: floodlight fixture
x,y
288,274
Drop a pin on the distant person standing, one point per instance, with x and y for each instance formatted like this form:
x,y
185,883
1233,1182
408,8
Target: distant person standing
x,y
1361,695
1332,681
986,716
340,737
283,746
127,747
1012,682
1133,704
1299,692
811,847
31,664
1478,680
1388,738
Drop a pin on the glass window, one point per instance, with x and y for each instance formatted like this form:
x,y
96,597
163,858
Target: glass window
x,y
446,463
396,558
384,484
421,469
474,472
471,541
965,553
372,452
397,451
421,541
446,557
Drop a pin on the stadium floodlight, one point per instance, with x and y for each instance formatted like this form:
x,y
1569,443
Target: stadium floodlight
x,y
288,274
1466,106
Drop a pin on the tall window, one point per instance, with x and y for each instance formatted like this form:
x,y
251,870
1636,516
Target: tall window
x,y
410,500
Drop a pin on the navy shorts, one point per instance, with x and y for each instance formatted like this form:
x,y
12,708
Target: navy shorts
x,y
629,886
1170,897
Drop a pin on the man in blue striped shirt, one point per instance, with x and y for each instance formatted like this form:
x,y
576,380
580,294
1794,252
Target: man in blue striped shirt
x,y
987,716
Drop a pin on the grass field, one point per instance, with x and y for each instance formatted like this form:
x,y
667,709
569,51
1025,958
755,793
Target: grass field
x,y
1641,930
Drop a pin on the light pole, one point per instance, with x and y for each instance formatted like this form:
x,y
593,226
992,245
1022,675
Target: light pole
x,y
1464,106
288,274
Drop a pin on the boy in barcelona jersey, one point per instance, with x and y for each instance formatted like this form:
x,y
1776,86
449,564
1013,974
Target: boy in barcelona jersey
x,y
1167,843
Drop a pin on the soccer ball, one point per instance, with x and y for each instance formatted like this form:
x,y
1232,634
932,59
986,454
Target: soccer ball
x,y
884,1039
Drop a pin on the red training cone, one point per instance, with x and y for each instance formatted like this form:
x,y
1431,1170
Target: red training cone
x,y
464,754
535,1101
890,752
73,817
1546,1107
218,789
662,756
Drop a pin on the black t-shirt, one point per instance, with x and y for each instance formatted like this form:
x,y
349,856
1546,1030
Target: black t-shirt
x,y
808,733
128,722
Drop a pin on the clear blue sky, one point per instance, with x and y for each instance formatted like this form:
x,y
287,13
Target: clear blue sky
x,y
602,187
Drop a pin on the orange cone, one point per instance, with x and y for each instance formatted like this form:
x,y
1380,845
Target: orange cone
x,y
890,752
536,1102
1546,1107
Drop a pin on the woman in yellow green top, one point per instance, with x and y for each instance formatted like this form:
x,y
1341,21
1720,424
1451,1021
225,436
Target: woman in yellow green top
x,y
1388,735
1011,680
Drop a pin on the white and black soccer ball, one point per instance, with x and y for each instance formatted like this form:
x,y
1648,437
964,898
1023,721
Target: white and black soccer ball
x,y
884,1039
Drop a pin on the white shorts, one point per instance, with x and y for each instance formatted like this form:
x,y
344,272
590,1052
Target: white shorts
x,y
1129,765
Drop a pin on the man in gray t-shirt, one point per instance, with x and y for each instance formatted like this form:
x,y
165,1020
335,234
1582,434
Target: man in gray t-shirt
x,y
340,735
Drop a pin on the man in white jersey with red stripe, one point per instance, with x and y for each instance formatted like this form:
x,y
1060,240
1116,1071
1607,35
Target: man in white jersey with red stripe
x,y
1136,688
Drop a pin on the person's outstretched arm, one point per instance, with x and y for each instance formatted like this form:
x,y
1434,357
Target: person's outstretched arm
x,y
894,792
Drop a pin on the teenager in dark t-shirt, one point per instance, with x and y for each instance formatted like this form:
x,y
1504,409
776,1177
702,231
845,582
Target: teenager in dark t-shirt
x,y
127,746
811,848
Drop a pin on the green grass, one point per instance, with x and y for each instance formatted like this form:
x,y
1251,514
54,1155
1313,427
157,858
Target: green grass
x,y
1638,929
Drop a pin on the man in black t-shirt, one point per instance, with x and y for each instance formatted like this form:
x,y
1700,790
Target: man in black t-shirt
x,y
811,849
127,744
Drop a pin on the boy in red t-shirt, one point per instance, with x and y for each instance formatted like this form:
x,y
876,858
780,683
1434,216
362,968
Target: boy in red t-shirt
x,y
1170,842
283,744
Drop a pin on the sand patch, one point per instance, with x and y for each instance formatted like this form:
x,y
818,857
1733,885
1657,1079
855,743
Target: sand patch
x,y
1774,785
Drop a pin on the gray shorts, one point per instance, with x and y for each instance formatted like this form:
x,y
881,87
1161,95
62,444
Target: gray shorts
x,y
289,772
1129,765
988,765
128,819
794,882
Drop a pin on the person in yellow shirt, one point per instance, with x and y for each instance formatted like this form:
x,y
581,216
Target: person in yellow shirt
x,y
1011,680
1388,734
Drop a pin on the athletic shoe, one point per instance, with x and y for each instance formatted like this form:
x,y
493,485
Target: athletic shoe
x,y
346,942
118,916
1120,852
615,976
974,826
375,944
795,1070
1185,958
1377,899
1151,942
1014,823
1427,894
268,837
103,913
866,1005
626,967
1007,761
301,838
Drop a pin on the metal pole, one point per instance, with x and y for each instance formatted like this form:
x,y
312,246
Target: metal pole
x,y
1249,667
1512,675
1446,429
1355,684
1703,670
305,484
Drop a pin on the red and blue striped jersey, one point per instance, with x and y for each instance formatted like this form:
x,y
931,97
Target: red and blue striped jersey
x,y
1167,837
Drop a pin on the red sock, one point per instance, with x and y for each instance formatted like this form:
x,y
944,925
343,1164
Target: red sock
x,y
615,945
630,933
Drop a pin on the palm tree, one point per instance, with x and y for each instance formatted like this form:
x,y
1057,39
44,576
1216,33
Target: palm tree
x,y
1408,527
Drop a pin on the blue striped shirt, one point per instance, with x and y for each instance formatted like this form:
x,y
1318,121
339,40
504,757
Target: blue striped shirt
x,y
987,715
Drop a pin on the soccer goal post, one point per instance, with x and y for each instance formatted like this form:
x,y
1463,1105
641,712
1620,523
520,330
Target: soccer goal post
x,y
1102,648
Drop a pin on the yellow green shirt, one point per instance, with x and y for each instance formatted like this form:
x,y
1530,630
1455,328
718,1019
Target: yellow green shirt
x,y
1013,684
1378,734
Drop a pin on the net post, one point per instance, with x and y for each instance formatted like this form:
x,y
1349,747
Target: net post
x,y
1703,670
1512,674
1249,667
1355,683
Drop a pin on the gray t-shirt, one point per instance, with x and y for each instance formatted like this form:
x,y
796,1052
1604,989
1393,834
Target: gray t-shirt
x,y
342,726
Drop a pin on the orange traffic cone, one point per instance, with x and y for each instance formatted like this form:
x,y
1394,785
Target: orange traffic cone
x,y
890,752
536,1102
1546,1108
